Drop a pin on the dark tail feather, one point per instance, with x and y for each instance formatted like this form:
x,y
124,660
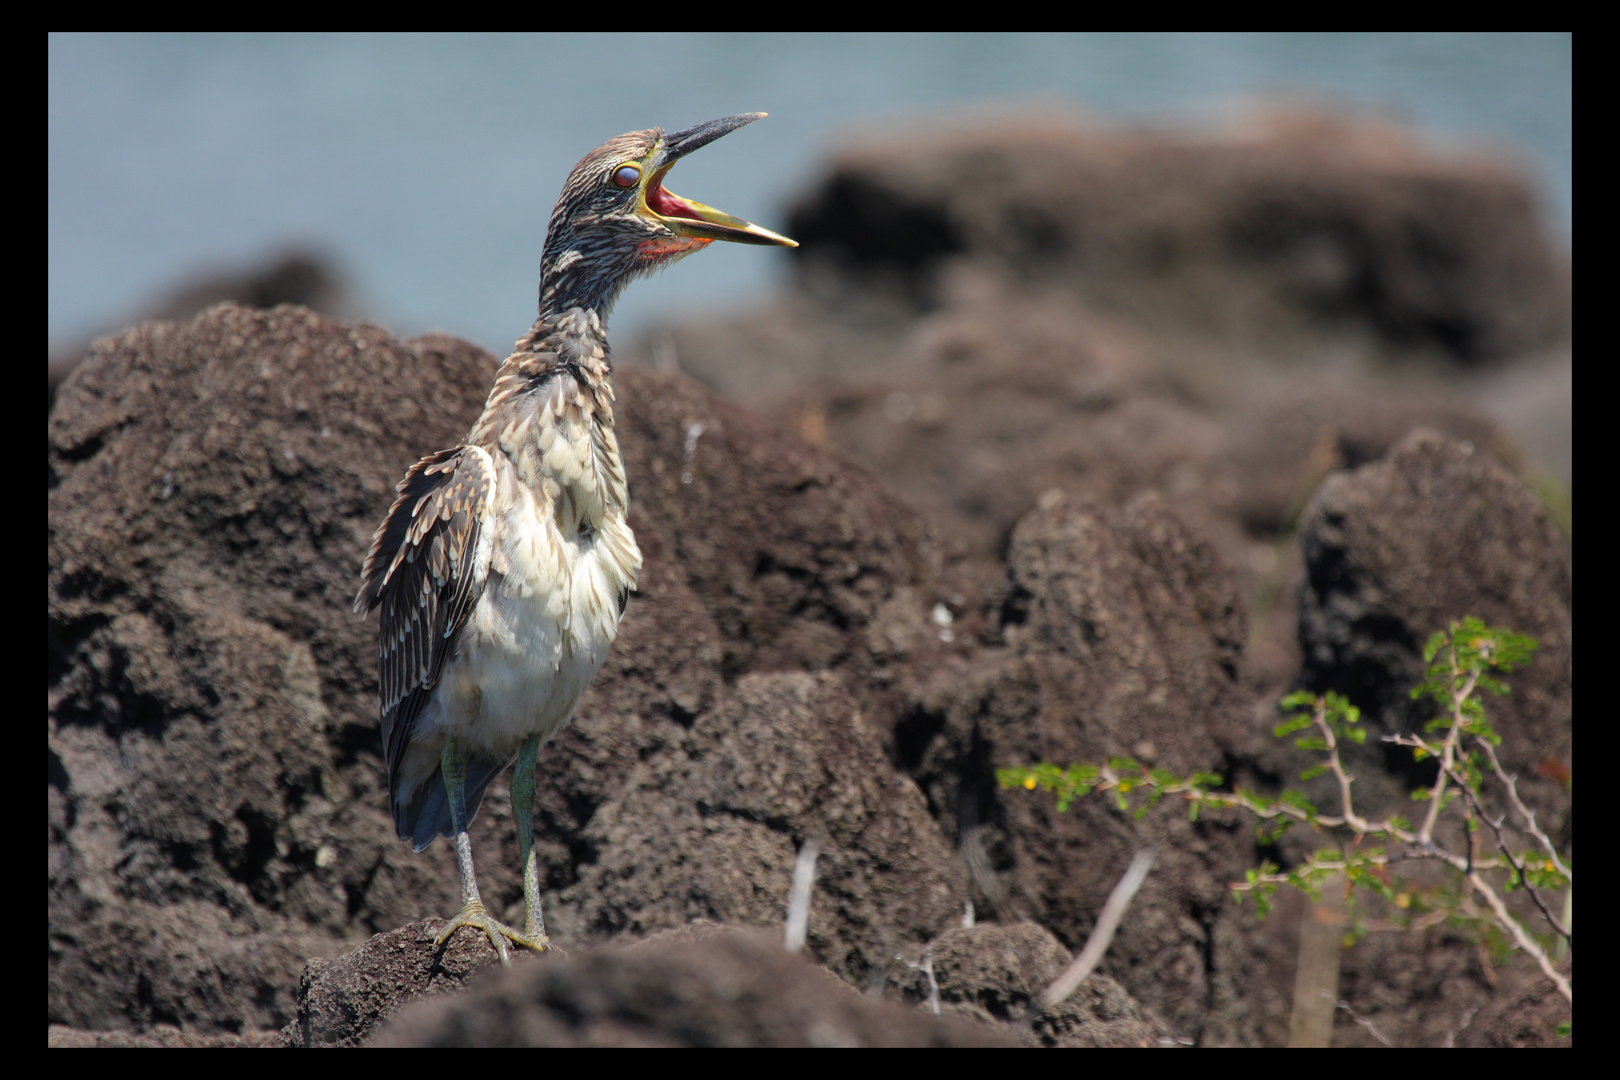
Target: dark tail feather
x,y
427,815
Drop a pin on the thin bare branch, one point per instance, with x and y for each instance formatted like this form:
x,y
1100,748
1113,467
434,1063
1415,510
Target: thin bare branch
x,y
1364,1022
927,968
1478,808
1462,1025
1502,846
804,879
1103,933
1525,812
1520,935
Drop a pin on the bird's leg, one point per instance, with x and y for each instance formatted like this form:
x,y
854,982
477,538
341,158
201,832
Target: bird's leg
x,y
534,922
473,913
453,764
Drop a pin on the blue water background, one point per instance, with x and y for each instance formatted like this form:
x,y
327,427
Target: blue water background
x,y
426,166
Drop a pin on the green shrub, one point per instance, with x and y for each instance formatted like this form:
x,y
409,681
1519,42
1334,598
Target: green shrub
x,y
1462,661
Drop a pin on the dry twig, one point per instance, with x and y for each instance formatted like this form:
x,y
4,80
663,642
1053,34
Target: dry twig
x,y
1103,933
804,878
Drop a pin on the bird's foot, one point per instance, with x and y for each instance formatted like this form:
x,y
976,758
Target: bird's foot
x,y
475,916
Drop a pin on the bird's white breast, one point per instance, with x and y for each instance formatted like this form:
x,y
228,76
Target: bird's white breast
x,y
548,614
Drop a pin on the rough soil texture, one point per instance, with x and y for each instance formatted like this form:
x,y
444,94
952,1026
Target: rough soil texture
x,y
200,619
996,973
1000,503
1118,625
341,1002
160,1036
716,987
1395,550
209,694
1439,987
712,830
1517,1015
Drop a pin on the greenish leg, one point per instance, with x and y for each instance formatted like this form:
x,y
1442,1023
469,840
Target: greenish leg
x,y
534,922
453,764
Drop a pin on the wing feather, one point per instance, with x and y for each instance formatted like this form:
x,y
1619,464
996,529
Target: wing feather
x,y
426,570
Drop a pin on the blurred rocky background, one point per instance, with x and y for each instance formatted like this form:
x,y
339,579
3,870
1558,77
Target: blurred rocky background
x,y
1064,441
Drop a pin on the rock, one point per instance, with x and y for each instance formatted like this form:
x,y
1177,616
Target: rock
x,y
995,974
1148,609
1438,986
342,1002
991,403
711,830
1398,549
292,277
60,1036
1275,453
1524,1013
1295,223
726,988
1124,638
211,486
803,562
1287,443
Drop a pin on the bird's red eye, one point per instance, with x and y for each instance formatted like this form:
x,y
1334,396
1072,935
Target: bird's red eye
x,y
626,176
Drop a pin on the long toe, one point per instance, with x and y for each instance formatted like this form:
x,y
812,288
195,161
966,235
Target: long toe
x,y
475,916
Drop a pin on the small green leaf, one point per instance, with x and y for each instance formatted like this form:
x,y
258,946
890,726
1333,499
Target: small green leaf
x,y
1291,725
1299,699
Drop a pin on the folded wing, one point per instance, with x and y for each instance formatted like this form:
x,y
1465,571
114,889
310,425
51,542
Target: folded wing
x,y
426,571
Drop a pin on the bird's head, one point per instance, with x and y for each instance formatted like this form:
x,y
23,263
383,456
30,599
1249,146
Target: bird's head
x,y
616,220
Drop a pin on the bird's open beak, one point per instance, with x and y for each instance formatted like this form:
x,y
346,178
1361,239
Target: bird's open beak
x,y
693,218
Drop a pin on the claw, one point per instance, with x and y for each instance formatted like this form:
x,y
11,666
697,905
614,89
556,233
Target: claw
x,y
475,916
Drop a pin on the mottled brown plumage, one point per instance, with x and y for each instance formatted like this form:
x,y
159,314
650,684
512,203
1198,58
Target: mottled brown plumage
x,y
502,568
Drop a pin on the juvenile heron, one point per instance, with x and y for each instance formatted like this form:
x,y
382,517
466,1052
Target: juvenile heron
x,y
503,566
